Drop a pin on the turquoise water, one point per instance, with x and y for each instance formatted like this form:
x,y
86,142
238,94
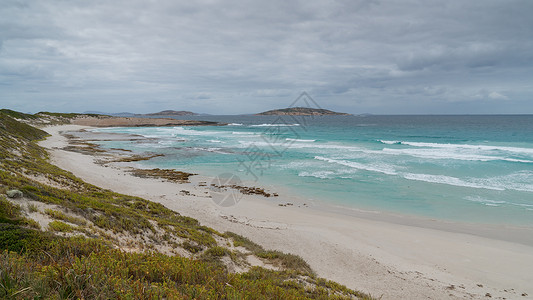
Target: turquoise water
x,y
463,168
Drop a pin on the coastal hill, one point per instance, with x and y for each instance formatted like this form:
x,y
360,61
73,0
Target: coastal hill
x,y
172,113
301,111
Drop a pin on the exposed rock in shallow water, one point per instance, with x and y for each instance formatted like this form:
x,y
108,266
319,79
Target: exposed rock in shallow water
x,y
171,175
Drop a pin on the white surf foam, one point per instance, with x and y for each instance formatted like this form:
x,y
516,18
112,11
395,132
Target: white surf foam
x,y
211,149
390,142
449,180
517,150
484,201
439,154
299,140
274,125
317,174
385,169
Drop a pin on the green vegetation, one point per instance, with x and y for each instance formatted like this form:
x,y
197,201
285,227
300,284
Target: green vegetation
x,y
17,115
32,208
61,216
60,226
86,264
287,261
64,115
11,214
10,126
80,269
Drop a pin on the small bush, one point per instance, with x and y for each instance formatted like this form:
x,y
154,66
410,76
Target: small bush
x,y
32,208
19,239
214,254
216,251
241,241
9,210
288,261
60,226
193,248
30,223
61,216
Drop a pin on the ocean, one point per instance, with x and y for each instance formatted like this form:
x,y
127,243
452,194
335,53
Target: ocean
x,y
475,169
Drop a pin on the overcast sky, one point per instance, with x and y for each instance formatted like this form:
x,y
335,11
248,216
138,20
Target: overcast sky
x,y
230,57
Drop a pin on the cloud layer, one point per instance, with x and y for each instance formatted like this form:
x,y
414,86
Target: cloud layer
x,y
226,57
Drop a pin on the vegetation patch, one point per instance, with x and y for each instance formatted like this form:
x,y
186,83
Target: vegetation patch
x,y
61,216
288,261
214,253
65,115
17,115
60,226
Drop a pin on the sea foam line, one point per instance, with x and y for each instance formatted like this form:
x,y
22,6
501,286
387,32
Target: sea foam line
x,y
274,125
462,146
497,183
488,202
374,168
439,154
299,140
449,180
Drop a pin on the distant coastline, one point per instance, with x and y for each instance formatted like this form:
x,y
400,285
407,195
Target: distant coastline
x,y
107,121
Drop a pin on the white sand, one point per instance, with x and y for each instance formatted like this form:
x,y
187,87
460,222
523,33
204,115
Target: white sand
x,y
378,257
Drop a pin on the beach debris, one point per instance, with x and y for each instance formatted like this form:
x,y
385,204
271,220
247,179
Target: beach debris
x,y
14,194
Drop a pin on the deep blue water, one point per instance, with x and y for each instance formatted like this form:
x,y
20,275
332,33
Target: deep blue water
x,y
465,168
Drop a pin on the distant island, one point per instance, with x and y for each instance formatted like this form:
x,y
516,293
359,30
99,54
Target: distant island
x,y
301,111
172,113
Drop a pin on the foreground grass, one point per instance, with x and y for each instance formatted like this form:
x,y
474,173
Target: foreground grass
x,y
80,256
86,269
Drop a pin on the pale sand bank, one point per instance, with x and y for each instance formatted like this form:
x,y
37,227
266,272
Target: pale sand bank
x,y
381,258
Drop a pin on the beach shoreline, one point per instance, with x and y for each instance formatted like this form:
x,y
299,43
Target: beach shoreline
x,y
389,259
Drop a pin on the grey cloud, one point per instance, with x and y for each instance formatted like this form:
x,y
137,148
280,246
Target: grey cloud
x,y
239,57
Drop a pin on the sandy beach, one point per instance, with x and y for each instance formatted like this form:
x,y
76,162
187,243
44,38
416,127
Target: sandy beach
x,y
392,259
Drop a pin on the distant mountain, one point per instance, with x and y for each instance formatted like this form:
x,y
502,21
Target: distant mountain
x,y
173,113
301,111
